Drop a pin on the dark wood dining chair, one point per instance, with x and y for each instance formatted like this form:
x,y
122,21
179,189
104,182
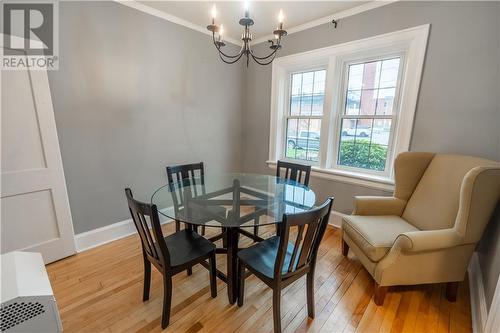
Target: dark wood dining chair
x,y
279,260
171,254
177,173
293,171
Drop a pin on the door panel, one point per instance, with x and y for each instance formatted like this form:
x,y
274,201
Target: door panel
x,y
41,211
20,126
35,212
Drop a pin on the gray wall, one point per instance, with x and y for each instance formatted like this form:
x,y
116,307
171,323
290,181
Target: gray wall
x,y
133,94
458,105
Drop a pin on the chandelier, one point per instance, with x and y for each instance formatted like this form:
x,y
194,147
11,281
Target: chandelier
x,y
246,37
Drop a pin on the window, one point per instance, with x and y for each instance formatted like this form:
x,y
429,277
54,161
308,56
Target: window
x,y
348,109
368,114
305,111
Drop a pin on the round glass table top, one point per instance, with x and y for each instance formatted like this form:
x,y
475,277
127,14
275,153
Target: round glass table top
x,y
232,199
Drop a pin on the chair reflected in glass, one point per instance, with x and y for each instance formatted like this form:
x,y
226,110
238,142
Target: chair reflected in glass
x,y
280,260
196,174
289,171
171,254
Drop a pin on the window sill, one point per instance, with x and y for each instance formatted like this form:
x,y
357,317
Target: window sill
x,y
365,180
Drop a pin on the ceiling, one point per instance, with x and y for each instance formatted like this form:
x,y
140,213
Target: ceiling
x,y
264,13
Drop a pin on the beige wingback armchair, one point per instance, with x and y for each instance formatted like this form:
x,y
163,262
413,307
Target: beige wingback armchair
x,y
426,232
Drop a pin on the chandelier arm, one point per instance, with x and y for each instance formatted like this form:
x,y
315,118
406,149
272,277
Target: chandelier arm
x,y
226,55
263,63
263,58
230,61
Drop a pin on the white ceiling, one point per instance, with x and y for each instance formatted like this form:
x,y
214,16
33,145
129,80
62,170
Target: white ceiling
x,y
264,13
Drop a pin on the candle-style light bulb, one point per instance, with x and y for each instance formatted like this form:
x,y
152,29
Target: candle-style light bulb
x,y
221,31
214,12
281,17
246,6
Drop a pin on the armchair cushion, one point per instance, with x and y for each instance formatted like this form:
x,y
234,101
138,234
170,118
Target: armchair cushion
x,y
375,235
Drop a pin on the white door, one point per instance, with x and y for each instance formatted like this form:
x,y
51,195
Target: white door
x,y
35,212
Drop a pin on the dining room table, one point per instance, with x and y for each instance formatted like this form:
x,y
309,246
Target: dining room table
x,y
237,204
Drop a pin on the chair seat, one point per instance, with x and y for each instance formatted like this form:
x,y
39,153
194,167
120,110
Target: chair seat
x,y
185,246
261,257
375,235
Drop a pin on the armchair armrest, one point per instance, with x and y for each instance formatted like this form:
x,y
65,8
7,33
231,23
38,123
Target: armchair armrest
x,y
428,240
366,205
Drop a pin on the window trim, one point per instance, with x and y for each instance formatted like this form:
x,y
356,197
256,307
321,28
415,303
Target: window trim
x,y
411,42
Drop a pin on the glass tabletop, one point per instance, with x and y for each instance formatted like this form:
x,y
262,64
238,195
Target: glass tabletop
x,y
232,199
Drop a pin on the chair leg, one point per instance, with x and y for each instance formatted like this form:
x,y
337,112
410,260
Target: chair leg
x,y
189,271
277,309
277,229
147,278
167,300
203,230
241,277
213,275
224,238
310,294
177,226
379,294
256,226
451,291
345,248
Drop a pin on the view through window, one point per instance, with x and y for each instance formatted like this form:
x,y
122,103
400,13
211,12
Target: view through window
x,y
303,128
367,117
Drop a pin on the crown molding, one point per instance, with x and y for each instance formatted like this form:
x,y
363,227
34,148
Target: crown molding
x,y
328,19
171,18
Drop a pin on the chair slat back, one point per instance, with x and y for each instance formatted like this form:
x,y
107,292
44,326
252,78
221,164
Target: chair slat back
x,y
293,171
310,227
151,235
185,176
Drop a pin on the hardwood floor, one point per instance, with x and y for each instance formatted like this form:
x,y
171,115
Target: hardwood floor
x,y
100,290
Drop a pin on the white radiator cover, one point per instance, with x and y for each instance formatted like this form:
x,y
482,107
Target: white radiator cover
x,y
27,300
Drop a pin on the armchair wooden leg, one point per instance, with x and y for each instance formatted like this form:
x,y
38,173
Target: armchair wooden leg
x,y
345,248
451,291
379,294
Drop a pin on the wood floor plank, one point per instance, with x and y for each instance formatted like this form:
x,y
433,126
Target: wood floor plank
x,y
100,290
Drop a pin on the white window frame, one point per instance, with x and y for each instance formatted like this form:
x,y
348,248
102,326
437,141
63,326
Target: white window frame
x,y
410,44
287,113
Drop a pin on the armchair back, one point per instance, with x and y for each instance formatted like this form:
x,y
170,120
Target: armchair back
x,y
439,188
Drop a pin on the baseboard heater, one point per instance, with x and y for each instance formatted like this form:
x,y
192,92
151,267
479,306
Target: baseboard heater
x,y
27,300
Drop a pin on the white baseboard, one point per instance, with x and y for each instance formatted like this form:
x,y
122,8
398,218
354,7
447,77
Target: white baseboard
x,y
493,322
100,236
479,309
336,219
